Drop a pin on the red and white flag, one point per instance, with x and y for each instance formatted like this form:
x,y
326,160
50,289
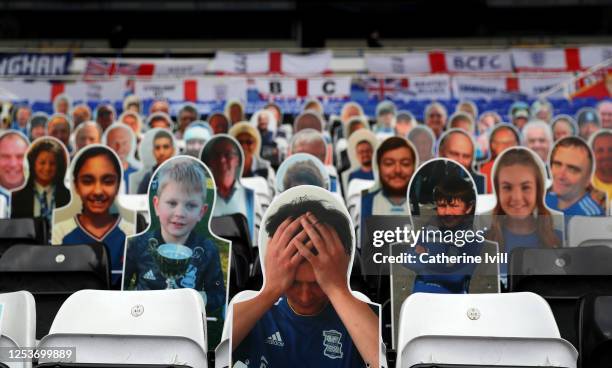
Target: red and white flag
x,y
490,61
270,88
271,62
546,60
192,89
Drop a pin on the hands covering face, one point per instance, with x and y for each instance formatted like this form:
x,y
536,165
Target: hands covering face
x,y
305,237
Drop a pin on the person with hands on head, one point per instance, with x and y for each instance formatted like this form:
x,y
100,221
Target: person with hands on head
x,y
305,309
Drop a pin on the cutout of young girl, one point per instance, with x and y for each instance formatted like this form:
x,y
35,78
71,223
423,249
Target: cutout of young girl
x,y
520,217
96,176
44,190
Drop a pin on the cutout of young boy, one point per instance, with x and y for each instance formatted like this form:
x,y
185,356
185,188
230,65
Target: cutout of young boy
x,y
180,202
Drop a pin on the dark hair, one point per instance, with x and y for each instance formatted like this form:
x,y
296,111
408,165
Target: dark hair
x,y
455,188
600,134
326,215
162,134
189,108
577,142
103,109
94,151
390,144
48,145
208,151
220,115
364,141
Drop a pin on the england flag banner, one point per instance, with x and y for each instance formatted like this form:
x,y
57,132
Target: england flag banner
x,y
271,62
193,89
546,60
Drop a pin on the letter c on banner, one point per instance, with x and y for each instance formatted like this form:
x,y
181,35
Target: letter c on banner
x,y
494,62
329,87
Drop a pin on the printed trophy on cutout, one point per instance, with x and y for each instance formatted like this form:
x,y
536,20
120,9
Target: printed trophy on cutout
x,y
172,260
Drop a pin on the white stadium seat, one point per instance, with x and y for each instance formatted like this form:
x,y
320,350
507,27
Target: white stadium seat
x,y
585,231
17,324
480,330
132,327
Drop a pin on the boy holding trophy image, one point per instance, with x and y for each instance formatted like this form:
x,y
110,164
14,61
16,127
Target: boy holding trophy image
x,y
176,254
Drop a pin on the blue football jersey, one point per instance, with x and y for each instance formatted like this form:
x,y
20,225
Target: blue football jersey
x,y
282,338
585,206
70,232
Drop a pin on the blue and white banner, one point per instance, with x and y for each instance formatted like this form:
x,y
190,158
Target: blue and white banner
x,y
35,64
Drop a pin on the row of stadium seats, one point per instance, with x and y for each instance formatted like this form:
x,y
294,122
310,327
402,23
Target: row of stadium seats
x,y
568,278
166,328
25,261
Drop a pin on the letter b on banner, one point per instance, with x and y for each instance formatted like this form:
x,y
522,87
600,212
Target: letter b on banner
x,y
275,88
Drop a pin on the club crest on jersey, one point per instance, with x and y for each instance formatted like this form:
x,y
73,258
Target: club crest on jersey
x,y
333,345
